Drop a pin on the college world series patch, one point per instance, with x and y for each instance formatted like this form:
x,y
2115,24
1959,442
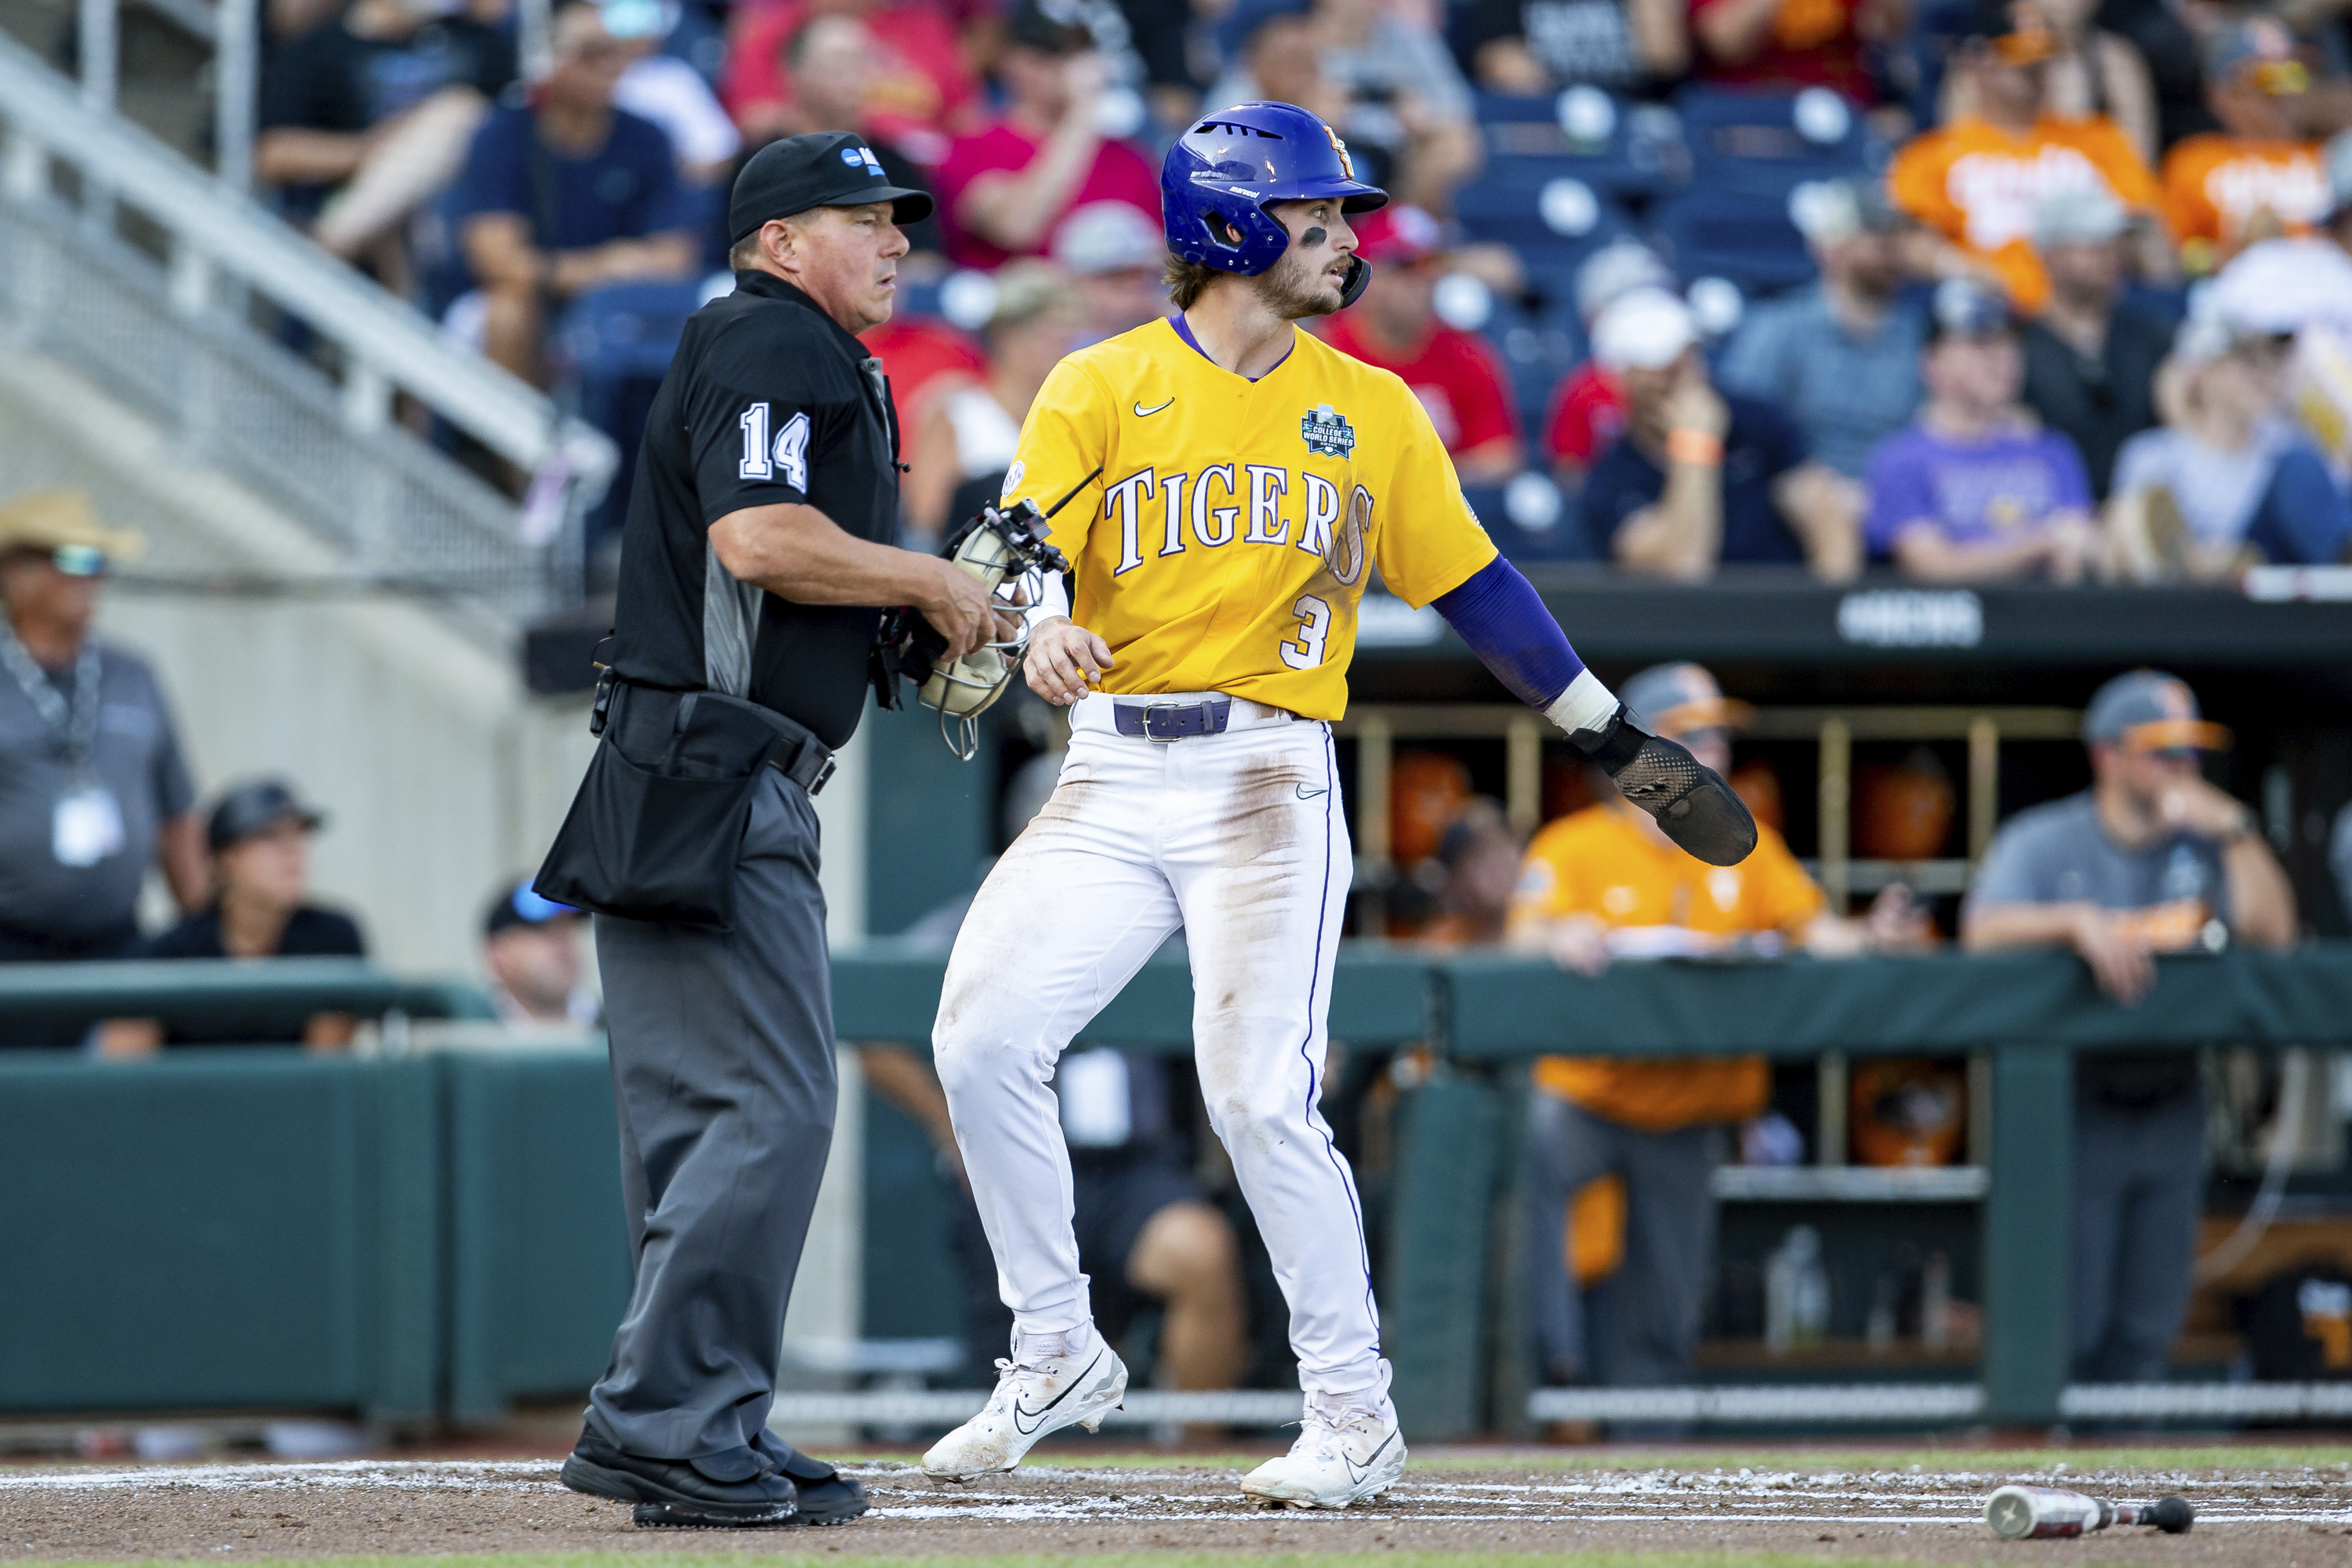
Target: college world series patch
x,y
1328,435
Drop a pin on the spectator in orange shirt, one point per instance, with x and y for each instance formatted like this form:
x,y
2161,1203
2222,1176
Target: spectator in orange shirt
x,y
1979,181
2258,177
1602,882
1456,375
1790,44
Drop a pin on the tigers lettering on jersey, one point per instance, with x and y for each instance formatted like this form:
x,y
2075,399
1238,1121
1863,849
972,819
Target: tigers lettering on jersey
x,y
1319,532
1230,540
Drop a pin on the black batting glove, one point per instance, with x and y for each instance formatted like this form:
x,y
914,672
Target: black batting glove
x,y
1689,800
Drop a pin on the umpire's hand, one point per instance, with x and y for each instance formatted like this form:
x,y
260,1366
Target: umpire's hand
x,y
960,610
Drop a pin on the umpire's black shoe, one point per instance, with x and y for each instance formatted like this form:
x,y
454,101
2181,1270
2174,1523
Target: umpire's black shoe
x,y
827,1496
737,1488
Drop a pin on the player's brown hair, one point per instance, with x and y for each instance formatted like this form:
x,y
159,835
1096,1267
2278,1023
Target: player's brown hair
x,y
1185,279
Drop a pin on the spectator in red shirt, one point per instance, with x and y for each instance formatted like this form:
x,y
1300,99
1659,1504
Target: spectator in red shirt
x,y
1790,44
1588,410
1454,373
829,63
923,358
1004,190
918,91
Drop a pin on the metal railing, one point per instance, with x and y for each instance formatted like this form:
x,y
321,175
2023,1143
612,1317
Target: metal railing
x,y
172,338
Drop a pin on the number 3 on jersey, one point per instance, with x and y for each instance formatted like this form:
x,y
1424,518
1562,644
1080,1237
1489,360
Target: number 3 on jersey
x,y
789,452
1314,625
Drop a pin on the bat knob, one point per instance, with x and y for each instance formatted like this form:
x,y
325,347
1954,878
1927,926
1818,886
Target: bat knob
x,y
2172,1515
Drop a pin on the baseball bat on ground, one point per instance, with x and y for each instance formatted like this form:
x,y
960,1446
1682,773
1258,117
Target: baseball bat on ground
x,y
2045,1513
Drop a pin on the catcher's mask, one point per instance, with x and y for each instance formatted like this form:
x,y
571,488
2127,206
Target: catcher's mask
x,y
996,547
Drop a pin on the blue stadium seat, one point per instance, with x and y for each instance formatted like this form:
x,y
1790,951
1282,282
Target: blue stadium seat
x,y
1543,526
1538,351
1553,220
1769,141
612,348
625,330
1742,235
1624,150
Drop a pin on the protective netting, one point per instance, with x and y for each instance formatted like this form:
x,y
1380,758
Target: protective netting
x,y
402,514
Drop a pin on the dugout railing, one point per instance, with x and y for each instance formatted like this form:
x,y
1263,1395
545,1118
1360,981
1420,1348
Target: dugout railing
x,y
427,1237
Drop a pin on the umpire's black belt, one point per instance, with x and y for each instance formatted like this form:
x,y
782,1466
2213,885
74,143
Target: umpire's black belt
x,y
646,718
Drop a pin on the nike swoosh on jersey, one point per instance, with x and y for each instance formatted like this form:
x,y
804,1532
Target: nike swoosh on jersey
x,y
1305,794
1356,1475
1038,1416
1143,412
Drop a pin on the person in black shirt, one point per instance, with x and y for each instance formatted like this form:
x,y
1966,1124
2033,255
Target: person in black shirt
x,y
2090,360
754,562
259,837
1541,46
366,116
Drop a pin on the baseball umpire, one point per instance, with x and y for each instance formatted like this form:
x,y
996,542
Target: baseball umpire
x,y
752,562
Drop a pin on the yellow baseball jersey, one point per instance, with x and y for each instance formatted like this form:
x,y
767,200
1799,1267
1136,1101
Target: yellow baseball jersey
x,y
1224,545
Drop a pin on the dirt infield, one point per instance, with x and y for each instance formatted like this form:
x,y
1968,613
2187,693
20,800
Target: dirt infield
x,y
2270,1511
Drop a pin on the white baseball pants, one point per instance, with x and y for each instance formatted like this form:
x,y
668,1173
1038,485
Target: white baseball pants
x,y
1240,840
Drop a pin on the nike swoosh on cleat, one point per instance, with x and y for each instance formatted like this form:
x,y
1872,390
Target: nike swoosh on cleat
x,y
1038,1415
1143,412
1305,794
1354,1475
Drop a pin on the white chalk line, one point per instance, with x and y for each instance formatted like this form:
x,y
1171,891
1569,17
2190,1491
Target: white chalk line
x,y
1462,1501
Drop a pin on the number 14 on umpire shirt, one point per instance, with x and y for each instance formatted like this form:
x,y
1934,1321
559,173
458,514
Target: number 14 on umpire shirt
x,y
767,401
1226,545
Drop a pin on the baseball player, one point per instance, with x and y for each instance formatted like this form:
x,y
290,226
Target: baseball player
x,y
1237,481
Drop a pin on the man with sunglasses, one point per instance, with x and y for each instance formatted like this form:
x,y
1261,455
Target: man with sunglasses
x,y
93,790
2151,858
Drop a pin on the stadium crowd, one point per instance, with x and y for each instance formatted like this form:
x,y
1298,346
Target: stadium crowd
x,y
1969,290
1964,292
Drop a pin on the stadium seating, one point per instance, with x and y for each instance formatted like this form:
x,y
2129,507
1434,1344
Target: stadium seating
x,y
1743,235
1530,519
1768,142
1552,219
1625,150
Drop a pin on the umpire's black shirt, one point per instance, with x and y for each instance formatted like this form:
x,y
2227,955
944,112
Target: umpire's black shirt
x,y
769,400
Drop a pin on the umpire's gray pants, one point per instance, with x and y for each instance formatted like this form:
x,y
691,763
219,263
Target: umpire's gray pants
x,y
2139,1186
722,1066
1652,1323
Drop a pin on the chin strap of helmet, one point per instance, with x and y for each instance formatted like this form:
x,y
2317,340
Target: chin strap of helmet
x,y
1359,272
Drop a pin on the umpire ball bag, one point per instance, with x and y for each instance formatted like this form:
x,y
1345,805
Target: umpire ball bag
x,y
659,820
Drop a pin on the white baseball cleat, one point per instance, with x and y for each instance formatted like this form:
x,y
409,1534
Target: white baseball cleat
x,y
1349,1449
1052,1381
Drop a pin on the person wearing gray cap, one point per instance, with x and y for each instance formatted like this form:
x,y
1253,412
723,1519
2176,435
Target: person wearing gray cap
x,y
1841,357
1973,491
1114,256
2090,358
2151,858
756,568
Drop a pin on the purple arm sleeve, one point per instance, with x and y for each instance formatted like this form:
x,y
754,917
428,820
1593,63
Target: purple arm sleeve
x,y
1497,611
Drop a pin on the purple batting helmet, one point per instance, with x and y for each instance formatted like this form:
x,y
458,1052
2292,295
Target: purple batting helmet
x,y
1222,174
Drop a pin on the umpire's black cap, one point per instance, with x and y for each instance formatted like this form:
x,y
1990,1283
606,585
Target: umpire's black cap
x,y
821,169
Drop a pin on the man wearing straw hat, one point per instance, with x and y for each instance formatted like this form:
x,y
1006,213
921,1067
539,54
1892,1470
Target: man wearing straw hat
x,y
92,787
